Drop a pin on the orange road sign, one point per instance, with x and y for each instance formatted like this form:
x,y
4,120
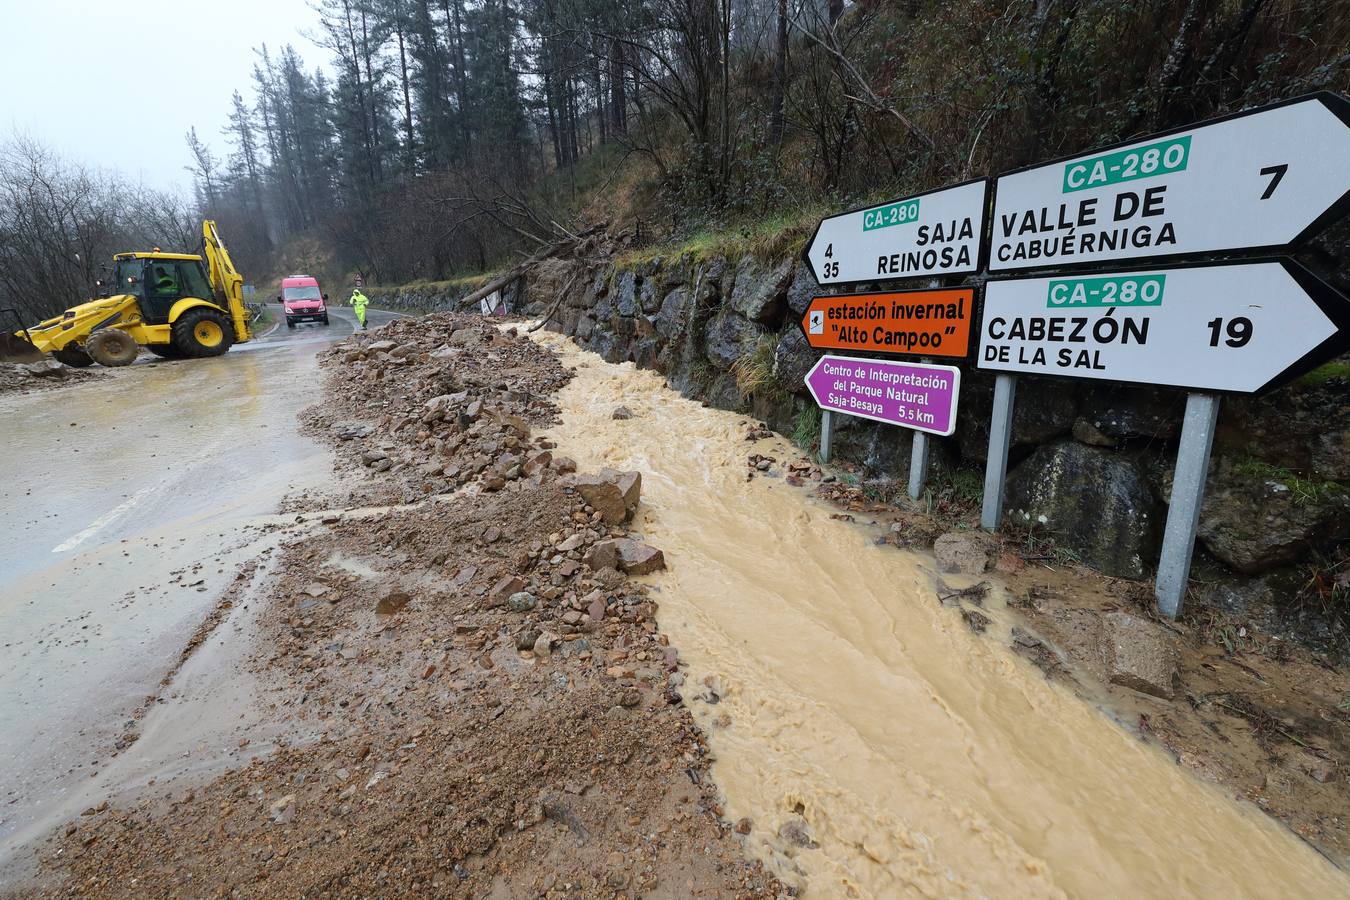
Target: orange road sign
x,y
903,323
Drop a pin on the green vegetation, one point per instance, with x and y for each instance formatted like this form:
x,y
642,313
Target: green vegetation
x,y
1332,371
1305,491
754,371
806,427
781,234
1326,591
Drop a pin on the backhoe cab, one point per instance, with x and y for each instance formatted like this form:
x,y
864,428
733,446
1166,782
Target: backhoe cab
x,y
176,305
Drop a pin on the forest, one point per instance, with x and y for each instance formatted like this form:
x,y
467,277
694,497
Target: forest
x,y
451,137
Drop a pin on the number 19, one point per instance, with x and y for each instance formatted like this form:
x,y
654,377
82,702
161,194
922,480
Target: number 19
x,y
1239,331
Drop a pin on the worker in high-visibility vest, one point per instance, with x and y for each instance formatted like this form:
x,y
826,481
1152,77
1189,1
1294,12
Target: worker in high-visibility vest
x,y
359,301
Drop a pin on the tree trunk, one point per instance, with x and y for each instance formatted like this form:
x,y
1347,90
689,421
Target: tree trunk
x,y
776,118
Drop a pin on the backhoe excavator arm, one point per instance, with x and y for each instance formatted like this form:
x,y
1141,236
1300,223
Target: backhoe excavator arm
x,y
225,279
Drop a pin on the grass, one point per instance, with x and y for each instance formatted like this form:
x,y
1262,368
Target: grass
x,y
769,237
806,428
1332,371
1326,590
461,282
1305,491
753,371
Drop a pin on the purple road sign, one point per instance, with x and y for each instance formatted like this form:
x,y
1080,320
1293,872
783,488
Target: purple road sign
x,y
912,395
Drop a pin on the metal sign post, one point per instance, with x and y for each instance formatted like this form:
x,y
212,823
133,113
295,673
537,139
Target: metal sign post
x,y
918,460
1188,493
937,233
826,435
996,464
1241,327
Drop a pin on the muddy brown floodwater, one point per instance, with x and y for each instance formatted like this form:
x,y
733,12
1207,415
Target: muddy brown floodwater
x,y
925,760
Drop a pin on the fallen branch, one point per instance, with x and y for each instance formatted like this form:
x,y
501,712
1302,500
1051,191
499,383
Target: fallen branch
x,y
516,271
556,303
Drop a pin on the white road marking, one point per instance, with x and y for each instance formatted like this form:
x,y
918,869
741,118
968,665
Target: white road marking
x,y
103,521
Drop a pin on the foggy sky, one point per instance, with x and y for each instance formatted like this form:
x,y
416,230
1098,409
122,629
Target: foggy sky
x,y
116,85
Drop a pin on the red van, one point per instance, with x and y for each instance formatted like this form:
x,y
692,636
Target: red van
x,y
302,300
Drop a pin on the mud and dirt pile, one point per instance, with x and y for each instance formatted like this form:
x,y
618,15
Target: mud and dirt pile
x,y
22,378
482,702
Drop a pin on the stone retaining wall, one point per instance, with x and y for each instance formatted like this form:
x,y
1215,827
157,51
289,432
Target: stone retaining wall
x,y
1094,460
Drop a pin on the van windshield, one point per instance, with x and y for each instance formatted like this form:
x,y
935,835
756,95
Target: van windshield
x,y
302,293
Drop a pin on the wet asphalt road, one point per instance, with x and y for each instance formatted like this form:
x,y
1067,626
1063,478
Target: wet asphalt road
x,y
125,507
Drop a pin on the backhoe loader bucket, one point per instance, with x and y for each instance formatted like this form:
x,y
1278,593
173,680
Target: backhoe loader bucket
x,y
15,346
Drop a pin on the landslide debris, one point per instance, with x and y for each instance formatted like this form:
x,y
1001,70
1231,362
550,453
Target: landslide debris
x,y
19,378
488,705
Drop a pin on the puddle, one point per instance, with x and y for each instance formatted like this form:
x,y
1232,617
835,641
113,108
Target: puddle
x,y
923,760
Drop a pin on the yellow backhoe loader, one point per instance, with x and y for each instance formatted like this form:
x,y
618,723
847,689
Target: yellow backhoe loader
x,y
169,303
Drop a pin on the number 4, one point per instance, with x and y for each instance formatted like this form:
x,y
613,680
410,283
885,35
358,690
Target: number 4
x,y
1278,173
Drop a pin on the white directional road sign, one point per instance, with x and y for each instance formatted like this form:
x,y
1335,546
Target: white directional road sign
x,y
1242,328
1260,179
937,233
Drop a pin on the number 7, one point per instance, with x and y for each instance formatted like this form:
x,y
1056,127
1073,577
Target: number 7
x,y
1278,172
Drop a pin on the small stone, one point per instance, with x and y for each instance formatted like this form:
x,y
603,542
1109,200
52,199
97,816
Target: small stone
x,y
595,608
743,826
525,640
543,646
504,588
621,412
1138,654
637,558
794,832
282,811
521,601
392,602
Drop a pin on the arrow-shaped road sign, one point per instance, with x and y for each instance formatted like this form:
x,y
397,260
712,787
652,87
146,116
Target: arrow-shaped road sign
x,y
1235,327
914,323
914,395
1262,179
937,233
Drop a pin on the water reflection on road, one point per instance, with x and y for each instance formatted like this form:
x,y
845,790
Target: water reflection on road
x,y
125,507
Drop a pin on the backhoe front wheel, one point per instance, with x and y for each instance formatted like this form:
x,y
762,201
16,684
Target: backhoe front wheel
x,y
202,332
112,348
73,355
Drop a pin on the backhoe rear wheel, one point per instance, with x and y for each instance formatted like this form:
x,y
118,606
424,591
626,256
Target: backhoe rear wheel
x,y
202,332
73,355
112,348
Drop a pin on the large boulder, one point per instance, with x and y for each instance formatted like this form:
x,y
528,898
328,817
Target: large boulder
x,y
802,289
1096,502
1043,409
1256,517
1304,427
729,336
760,292
1125,413
625,294
650,295
962,552
792,359
614,494
672,312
